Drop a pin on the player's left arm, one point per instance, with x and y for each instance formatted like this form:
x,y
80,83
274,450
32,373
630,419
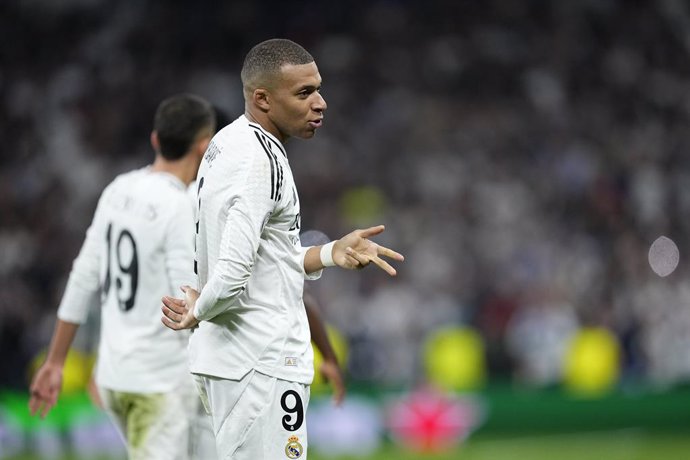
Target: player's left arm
x,y
353,251
330,368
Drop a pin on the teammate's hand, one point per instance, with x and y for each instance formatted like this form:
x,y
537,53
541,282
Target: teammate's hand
x,y
355,250
178,314
45,388
332,374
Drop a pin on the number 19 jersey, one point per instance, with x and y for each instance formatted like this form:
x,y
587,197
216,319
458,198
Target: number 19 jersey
x,y
139,247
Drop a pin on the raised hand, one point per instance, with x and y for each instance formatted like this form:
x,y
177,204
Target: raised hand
x,y
355,251
178,313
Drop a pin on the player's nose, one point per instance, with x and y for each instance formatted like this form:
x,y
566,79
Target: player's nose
x,y
319,104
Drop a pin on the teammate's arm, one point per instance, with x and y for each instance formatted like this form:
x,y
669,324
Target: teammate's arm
x,y
354,251
330,368
47,383
81,292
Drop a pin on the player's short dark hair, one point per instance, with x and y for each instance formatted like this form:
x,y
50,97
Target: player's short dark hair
x,y
179,120
264,61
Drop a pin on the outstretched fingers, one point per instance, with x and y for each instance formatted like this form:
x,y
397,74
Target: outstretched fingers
x,y
371,231
363,260
383,265
383,251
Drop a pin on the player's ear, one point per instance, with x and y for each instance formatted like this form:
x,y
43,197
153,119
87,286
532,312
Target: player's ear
x,y
155,143
261,99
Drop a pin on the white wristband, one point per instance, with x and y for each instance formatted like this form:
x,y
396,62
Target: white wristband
x,y
326,254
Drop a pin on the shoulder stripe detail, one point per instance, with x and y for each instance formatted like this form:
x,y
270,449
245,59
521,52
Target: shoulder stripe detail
x,y
270,160
280,182
276,168
268,137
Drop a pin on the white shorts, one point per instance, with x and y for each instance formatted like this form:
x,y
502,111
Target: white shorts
x,y
258,417
203,440
154,425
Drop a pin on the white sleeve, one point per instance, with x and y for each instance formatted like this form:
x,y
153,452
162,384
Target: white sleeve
x,y
179,247
83,285
249,204
308,276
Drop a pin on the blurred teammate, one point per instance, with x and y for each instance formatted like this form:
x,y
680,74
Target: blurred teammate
x,y
251,350
139,247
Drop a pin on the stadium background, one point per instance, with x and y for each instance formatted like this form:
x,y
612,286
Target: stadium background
x,y
523,154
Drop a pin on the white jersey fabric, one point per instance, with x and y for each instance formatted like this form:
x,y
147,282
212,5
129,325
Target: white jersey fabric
x,y
139,247
249,261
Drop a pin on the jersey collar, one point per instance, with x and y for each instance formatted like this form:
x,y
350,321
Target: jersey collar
x,y
270,136
173,179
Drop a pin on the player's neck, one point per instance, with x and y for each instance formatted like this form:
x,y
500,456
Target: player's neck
x,y
260,118
183,168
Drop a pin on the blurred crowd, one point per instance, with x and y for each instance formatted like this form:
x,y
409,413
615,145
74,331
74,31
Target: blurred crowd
x,y
523,155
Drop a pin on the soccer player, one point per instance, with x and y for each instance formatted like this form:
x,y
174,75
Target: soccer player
x,y
203,439
139,247
251,350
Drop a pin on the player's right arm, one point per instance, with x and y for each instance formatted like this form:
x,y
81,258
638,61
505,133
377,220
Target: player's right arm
x,y
248,201
47,383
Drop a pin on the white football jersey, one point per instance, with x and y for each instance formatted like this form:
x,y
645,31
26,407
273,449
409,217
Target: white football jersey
x,y
139,247
249,261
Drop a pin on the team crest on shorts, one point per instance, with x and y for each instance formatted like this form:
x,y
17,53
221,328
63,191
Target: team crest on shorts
x,y
293,449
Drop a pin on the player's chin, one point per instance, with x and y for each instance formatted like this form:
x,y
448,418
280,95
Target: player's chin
x,y
307,134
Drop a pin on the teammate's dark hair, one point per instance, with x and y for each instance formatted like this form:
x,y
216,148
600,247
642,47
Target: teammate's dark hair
x,y
179,120
264,61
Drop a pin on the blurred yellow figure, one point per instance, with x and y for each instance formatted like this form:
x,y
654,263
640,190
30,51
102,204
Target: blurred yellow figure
x,y
339,347
75,374
454,359
592,362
